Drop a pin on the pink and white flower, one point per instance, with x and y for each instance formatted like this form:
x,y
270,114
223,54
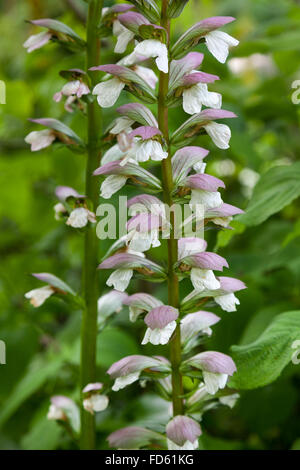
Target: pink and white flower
x,y
141,303
183,433
128,370
37,41
161,322
153,48
216,367
64,409
218,44
38,296
40,139
80,217
93,400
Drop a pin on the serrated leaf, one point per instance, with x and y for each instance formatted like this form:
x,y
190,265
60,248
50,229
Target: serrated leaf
x,y
276,189
261,362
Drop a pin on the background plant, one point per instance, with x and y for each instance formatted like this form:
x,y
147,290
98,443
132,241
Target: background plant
x,y
264,135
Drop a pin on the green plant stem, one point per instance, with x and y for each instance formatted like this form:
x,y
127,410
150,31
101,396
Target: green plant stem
x,y
173,282
90,287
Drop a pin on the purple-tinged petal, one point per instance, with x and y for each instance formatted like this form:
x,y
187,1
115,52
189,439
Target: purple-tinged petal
x,y
192,126
179,68
194,34
144,222
112,69
204,182
121,8
225,210
139,112
199,77
184,160
130,364
145,132
54,281
230,284
132,437
213,361
181,429
143,301
161,316
130,261
193,323
93,387
146,200
190,245
132,21
206,260
63,192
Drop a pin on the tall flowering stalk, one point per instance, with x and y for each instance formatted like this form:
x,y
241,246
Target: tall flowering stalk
x,y
77,210
142,137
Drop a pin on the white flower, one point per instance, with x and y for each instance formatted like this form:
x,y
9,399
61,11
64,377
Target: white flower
x,y
59,209
111,185
38,296
120,279
204,279
227,302
122,124
40,139
214,382
142,241
159,335
55,413
197,95
113,154
208,199
75,87
222,221
218,44
96,402
122,382
147,75
37,41
186,446
142,151
108,92
229,400
154,48
80,217
124,36
219,133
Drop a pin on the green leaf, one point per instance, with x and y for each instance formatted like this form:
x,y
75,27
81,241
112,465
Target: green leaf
x,y
276,189
225,236
261,362
38,373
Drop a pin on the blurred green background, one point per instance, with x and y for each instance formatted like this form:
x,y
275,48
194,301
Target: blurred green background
x,y
43,344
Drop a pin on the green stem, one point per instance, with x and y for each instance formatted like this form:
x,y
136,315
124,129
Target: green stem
x,y
173,282
90,288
